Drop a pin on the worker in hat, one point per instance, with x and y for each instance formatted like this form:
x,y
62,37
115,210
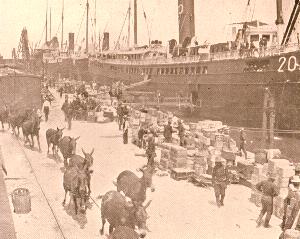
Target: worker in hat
x,y
150,151
220,180
269,190
181,132
243,142
125,129
292,187
168,130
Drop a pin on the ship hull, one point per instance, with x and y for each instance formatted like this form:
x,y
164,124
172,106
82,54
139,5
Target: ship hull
x,y
229,90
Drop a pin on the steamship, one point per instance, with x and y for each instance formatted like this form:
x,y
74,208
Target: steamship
x,y
239,81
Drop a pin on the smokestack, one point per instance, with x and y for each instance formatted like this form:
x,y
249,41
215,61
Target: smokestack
x,y
71,42
105,43
279,19
186,19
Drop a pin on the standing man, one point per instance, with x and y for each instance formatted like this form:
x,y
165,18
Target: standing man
x,y
120,115
168,132
269,191
287,200
125,130
181,132
46,109
65,107
243,142
150,151
220,180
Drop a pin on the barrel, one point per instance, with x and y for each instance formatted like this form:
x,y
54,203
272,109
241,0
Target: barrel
x,y
21,201
291,234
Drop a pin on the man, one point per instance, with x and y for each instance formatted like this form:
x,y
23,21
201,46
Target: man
x,y
168,132
141,133
120,115
243,142
269,191
125,130
65,107
150,151
287,200
181,132
46,109
220,180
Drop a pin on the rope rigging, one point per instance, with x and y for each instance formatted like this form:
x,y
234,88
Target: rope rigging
x,y
80,26
117,43
146,20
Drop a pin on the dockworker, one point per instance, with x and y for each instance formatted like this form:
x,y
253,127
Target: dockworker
x,y
292,187
220,180
65,107
141,133
269,191
168,132
125,130
150,151
181,132
46,109
243,142
120,115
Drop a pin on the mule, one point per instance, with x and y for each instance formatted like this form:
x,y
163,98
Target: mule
x,y
75,182
67,146
53,136
32,127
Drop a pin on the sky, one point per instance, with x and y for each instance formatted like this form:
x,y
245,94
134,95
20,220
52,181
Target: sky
x,y
211,19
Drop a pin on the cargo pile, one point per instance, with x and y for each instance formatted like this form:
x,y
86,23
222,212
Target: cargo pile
x,y
283,171
204,141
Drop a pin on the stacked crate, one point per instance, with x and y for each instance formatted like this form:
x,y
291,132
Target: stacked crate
x,y
283,171
200,160
165,155
178,156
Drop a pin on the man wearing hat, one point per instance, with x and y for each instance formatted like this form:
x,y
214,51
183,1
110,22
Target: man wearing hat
x,y
269,191
168,132
181,132
291,186
150,151
243,142
125,130
220,180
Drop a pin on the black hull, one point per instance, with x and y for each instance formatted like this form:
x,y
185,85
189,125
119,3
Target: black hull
x,y
230,90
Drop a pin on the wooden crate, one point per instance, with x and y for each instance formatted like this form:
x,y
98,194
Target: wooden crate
x,y
181,173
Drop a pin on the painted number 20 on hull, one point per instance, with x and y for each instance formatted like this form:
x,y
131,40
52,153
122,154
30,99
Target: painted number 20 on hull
x,y
291,63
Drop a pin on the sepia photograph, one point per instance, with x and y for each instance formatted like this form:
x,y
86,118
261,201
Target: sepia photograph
x,y
155,119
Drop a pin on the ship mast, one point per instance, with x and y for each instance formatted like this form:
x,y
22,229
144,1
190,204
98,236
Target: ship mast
x,y
62,25
50,23
129,16
47,23
87,27
135,22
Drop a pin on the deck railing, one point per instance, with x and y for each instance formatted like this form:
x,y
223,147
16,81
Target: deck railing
x,y
226,55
